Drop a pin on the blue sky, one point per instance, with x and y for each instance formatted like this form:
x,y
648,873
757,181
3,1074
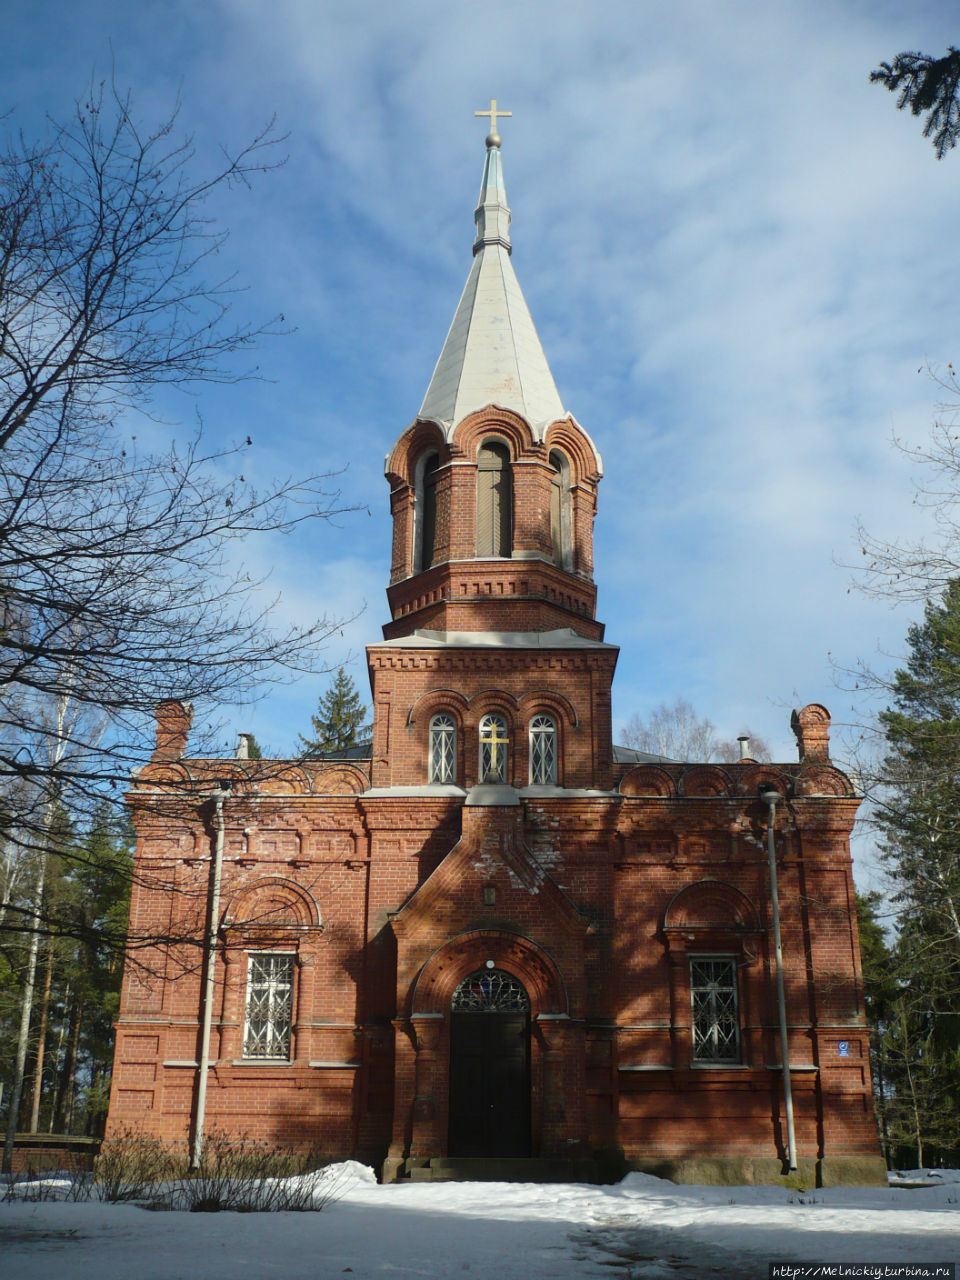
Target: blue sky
x,y
737,252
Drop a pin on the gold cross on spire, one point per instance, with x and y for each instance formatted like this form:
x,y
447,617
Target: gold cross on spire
x,y
493,138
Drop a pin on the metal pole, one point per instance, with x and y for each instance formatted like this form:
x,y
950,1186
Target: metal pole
x,y
210,964
771,798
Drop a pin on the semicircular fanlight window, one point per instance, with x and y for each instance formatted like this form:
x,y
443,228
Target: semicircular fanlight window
x,y
490,991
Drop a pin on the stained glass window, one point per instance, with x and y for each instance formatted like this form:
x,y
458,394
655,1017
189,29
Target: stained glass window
x,y
490,991
716,1026
543,751
493,749
269,1006
443,748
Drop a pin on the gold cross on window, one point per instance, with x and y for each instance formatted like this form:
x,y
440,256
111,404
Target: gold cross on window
x,y
495,746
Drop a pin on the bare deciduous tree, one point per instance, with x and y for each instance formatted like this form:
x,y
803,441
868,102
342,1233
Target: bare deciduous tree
x,y
119,581
678,732
114,561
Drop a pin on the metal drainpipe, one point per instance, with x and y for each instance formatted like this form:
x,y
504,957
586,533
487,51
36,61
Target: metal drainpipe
x,y
209,963
770,797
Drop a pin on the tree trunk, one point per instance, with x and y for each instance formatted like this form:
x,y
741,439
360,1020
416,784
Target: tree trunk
x,y
41,1040
68,1075
16,1087
58,1058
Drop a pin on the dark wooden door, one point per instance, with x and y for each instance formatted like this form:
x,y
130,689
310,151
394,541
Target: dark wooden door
x,y
489,1084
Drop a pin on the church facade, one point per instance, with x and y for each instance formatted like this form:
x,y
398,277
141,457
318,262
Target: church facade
x,y
493,936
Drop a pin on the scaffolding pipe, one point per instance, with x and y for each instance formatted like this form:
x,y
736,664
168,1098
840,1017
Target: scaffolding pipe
x,y
209,965
770,798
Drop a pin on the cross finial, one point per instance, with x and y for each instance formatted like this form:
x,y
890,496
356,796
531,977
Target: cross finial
x,y
493,138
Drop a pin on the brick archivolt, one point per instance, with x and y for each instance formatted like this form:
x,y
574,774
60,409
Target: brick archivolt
x,y
711,905
449,965
647,781
548,700
272,900
416,441
570,439
435,700
499,424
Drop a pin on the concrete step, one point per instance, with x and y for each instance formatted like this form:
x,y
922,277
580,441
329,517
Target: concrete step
x,y
496,1169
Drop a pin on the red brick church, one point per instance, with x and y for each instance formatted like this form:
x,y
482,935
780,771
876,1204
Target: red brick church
x,y
493,936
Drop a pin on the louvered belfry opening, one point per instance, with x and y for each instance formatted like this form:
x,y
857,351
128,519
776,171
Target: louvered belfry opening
x,y
428,510
559,507
494,500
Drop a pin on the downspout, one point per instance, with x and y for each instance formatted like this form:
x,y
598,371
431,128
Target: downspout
x,y
770,797
209,966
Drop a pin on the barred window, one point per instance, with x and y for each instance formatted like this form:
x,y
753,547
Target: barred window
x,y
543,751
269,1014
493,749
716,1024
443,748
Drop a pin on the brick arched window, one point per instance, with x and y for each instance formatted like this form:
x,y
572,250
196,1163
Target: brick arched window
x,y
268,1016
543,751
426,500
560,523
494,741
443,748
714,1009
494,500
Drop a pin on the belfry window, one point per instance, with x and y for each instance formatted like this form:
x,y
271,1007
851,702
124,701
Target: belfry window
x,y
427,511
713,995
443,748
494,741
560,533
494,500
269,1012
543,751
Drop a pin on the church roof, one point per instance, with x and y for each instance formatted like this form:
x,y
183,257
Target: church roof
x,y
492,354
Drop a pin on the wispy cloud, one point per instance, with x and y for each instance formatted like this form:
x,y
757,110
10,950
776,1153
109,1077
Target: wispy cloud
x,y
737,252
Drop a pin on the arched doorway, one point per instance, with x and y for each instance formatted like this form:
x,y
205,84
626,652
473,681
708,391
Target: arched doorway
x,y
490,1066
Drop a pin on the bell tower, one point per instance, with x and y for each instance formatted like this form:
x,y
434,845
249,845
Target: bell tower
x,y
493,493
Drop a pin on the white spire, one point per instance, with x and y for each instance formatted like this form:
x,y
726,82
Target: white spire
x,y
492,354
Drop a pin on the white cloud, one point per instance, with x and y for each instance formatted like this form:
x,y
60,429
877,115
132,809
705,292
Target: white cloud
x,y
738,254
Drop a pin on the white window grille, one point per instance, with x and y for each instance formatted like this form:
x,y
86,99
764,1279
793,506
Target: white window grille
x,y
443,748
269,1014
543,751
493,749
716,1022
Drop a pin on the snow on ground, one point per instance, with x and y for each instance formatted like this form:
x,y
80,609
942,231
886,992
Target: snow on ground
x,y
641,1229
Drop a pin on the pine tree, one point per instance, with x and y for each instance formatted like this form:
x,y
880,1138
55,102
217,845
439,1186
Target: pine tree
x,y
339,721
920,819
930,85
